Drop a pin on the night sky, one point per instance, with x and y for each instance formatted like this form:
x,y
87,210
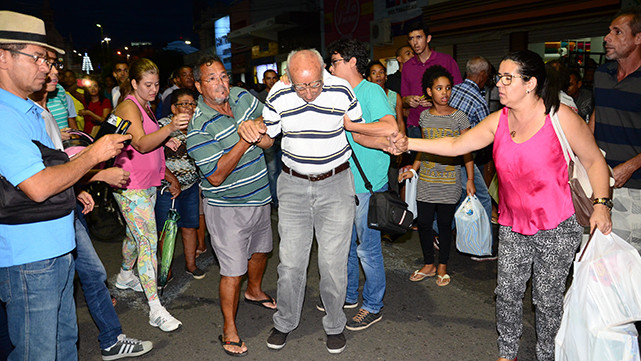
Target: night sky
x,y
158,21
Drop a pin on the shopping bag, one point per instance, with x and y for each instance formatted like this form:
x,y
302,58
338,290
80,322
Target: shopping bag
x,y
610,272
602,303
575,342
473,230
410,194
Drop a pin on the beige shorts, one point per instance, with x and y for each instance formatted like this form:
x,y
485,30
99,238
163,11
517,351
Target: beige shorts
x,y
237,233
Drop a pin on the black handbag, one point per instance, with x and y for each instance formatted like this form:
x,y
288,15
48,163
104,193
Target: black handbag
x,y
17,208
387,212
105,223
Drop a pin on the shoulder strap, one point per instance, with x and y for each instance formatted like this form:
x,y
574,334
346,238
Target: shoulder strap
x,y
368,185
565,145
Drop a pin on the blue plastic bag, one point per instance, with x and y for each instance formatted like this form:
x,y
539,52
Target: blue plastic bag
x,y
473,229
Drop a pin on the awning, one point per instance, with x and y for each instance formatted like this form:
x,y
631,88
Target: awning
x,y
263,30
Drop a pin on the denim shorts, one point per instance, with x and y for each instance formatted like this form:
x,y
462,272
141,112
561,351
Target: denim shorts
x,y
186,205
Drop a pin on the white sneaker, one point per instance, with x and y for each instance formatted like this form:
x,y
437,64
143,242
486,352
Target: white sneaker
x,y
132,282
161,318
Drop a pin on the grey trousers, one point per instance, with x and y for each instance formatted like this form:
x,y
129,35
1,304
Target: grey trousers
x,y
326,209
547,256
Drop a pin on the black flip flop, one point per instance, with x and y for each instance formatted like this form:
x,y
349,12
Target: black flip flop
x,y
232,343
262,303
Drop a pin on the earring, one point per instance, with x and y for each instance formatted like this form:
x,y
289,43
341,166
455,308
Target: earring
x,y
527,91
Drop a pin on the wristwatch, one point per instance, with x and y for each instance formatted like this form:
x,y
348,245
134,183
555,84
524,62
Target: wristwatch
x,y
605,201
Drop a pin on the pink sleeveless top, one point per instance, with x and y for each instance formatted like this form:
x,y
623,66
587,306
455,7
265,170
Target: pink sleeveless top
x,y
533,179
145,170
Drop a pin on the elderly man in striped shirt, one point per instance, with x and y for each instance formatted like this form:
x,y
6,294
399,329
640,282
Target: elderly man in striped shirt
x,y
315,190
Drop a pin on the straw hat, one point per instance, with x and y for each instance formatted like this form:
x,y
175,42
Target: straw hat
x,y
16,28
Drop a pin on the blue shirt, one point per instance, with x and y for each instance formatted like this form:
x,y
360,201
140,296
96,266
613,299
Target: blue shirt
x,y
20,159
374,162
467,98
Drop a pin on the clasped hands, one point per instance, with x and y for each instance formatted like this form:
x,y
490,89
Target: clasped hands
x,y
253,130
398,143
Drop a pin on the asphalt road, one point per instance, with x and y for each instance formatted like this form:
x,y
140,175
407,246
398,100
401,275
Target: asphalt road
x,y
421,321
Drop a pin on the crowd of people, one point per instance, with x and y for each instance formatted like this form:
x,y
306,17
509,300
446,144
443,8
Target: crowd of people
x,y
227,158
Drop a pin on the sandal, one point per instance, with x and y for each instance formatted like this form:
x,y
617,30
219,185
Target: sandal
x,y
232,343
419,276
443,280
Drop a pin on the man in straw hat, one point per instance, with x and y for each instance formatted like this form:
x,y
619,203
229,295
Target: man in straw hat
x,y
36,266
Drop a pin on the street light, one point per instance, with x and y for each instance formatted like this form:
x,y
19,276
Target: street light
x,y
106,40
101,35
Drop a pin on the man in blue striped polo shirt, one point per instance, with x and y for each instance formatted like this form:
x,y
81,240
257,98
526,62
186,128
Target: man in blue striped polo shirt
x,y
616,120
235,190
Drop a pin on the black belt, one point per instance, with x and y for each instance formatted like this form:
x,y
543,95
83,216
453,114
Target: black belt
x,y
316,177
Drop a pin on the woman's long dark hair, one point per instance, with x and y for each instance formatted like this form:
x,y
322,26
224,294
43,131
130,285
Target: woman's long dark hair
x,y
531,66
101,95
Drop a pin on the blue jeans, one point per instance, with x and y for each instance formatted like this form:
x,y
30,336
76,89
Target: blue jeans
x,y
41,309
273,157
92,277
187,206
370,254
327,208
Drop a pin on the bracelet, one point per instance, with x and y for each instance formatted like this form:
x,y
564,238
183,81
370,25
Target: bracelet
x,y
604,201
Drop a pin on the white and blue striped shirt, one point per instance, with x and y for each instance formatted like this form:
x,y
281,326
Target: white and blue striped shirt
x,y
314,140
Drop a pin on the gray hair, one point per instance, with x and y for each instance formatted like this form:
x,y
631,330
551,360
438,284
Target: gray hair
x,y
314,51
207,60
476,65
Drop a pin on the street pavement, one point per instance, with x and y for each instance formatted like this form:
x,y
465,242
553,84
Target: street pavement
x,y
421,321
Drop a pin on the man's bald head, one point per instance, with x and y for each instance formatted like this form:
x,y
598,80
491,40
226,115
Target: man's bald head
x,y
305,70
304,60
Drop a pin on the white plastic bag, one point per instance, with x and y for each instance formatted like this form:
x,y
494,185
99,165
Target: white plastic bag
x,y
410,194
602,303
473,229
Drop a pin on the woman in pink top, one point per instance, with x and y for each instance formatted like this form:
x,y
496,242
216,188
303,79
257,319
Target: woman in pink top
x,y
144,159
538,232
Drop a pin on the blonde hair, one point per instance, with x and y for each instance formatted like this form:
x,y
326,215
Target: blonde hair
x,y
137,69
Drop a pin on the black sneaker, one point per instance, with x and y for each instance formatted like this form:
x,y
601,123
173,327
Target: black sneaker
x,y
126,347
277,339
196,273
320,307
363,320
336,343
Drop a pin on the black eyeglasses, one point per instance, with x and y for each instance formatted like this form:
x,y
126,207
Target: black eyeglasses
x,y
186,104
506,79
311,85
40,60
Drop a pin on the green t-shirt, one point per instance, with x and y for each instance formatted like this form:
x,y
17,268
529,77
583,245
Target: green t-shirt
x,y
374,162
